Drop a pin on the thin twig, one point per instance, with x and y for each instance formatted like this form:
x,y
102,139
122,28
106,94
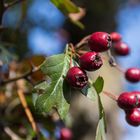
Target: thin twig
x,y
112,60
72,53
113,63
82,42
22,98
72,48
82,52
24,76
11,134
112,96
77,55
71,60
8,5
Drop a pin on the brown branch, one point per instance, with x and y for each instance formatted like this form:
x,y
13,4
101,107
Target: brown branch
x,y
29,115
24,76
8,5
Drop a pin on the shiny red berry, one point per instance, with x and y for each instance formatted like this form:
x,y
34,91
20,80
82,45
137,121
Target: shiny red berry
x,y
77,77
116,37
133,75
65,134
100,42
121,48
133,117
90,61
129,100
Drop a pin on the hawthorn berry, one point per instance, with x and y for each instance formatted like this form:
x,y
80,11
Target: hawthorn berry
x,y
90,61
65,134
99,42
121,48
129,100
77,77
133,117
133,75
116,37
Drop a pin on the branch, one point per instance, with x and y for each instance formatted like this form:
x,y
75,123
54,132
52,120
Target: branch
x,y
22,98
24,76
8,5
11,134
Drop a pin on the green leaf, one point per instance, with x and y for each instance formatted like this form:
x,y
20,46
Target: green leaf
x,y
56,68
101,128
89,92
65,6
102,113
99,84
100,132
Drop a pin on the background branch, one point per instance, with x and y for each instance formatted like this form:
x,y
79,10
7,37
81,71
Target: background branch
x,y
11,134
24,76
22,98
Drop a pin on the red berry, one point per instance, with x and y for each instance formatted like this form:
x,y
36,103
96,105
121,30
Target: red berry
x,y
121,48
77,77
133,75
133,117
129,100
65,134
115,37
100,41
90,61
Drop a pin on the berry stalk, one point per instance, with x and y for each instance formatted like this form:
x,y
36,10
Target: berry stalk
x,y
110,95
83,42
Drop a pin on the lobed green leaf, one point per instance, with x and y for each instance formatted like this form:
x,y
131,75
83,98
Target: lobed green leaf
x,y
53,96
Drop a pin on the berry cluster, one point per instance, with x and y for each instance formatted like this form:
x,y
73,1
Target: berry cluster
x,y
122,49
130,102
97,43
90,61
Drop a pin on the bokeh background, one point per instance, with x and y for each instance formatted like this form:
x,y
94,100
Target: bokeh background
x,y
39,28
